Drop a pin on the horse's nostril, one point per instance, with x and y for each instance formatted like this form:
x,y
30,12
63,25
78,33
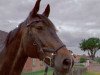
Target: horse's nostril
x,y
66,62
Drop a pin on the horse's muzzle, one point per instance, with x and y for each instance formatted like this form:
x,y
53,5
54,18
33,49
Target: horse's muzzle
x,y
66,63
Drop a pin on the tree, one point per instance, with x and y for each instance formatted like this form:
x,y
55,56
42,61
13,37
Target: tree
x,y
92,45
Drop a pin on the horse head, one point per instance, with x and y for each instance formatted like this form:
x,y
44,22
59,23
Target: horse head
x,y
40,40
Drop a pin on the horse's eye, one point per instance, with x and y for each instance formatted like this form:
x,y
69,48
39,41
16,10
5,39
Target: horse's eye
x,y
39,27
37,21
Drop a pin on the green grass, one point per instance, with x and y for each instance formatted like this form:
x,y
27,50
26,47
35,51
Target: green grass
x,y
92,73
41,72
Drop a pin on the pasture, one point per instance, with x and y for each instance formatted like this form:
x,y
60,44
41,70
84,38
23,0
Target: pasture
x,y
50,73
92,73
41,72
79,70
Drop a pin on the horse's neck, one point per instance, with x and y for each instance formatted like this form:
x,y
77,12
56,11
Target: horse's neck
x,y
7,57
9,51
18,63
2,54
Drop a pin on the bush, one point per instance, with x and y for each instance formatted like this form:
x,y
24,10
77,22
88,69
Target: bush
x,y
97,60
82,60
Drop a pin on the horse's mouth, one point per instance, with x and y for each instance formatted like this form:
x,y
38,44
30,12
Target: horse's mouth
x,y
65,69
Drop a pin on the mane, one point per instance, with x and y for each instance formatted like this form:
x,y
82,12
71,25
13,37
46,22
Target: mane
x,y
12,35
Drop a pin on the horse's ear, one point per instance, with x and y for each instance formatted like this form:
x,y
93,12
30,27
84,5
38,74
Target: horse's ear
x,y
47,11
35,9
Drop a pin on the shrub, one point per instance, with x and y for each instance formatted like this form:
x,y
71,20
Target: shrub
x,y
97,60
82,60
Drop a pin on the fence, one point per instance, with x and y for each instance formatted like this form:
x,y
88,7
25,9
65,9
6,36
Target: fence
x,y
78,71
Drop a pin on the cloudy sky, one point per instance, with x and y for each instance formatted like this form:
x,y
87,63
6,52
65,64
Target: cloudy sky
x,y
75,19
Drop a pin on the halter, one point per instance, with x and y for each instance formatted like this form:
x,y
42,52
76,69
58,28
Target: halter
x,y
36,42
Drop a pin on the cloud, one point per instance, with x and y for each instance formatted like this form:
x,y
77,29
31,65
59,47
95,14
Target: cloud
x,y
75,19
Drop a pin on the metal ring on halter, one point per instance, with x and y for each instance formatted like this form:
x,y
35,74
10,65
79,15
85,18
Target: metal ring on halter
x,y
50,64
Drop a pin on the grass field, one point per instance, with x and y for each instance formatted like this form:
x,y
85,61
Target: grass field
x,y
50,73
41,72
92,73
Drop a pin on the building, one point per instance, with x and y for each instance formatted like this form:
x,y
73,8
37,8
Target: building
x,y
33,65
77,59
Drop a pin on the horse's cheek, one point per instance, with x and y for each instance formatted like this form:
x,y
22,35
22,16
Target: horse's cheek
x,y
31,51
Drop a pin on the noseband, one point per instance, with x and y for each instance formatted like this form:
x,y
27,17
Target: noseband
x,y
43,50
53,54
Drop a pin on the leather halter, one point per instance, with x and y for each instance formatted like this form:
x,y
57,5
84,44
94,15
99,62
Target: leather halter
x,y
43,50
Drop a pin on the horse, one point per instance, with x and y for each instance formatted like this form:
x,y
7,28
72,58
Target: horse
x,y
35,37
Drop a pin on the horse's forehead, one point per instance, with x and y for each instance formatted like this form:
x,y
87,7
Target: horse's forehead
x,y
47,21
44,18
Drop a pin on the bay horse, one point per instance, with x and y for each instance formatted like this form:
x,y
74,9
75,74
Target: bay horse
x,y
36,38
